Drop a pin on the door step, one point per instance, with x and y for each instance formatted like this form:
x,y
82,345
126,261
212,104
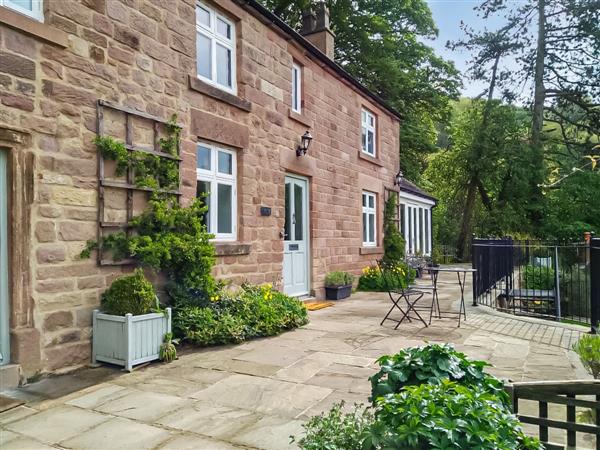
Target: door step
x,y
10,377
306,298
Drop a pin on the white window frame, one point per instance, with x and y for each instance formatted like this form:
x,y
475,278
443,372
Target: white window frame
x,y
214,177
366,212
37,9
296,88
366,127
211,33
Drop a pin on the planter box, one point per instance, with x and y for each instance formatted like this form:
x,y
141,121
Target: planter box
x,y
338,293
128,340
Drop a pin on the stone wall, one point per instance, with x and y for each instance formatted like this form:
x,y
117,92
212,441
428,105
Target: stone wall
x,y
141,53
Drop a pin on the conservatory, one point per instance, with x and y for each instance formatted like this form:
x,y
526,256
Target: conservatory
x,y
416,219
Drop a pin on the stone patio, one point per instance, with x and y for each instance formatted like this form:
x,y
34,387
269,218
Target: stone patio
x,y
257,394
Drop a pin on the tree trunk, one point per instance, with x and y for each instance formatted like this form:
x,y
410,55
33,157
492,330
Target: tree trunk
x,y
539,88
465,228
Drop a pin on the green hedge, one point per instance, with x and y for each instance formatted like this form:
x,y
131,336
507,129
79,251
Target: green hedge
x,y
254,311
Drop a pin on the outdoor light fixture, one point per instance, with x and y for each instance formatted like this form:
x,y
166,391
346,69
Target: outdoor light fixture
x,y
303,147
398,178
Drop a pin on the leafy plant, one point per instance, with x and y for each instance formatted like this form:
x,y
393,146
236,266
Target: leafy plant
x,y
394,246
337,430
445,415
336,279
131,294
538,277
150,171
170,238
588,349
112,149
167,351
431,364
224,318
372,279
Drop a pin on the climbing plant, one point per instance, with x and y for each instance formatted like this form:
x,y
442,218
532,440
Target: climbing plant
x,y
150,171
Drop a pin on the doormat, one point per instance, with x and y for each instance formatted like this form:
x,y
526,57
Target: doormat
x,y
314,306
7,403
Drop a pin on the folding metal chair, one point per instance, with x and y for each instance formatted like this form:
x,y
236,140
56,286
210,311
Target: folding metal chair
x,y
397,292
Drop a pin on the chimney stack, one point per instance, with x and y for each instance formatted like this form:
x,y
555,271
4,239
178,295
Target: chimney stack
x,y
315,28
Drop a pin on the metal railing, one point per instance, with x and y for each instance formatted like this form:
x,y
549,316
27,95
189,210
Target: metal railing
x,y
533,278
584,395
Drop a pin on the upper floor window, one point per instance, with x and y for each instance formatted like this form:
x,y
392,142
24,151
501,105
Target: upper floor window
x,y
31,8
369,132
215,48
217,182
369,219
296,88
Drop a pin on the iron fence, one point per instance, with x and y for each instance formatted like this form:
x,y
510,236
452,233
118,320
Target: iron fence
x,y
540,279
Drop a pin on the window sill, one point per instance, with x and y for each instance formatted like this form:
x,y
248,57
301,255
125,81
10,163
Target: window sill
x,y
32,27
300,118
231,249
216,93
371,159
371,250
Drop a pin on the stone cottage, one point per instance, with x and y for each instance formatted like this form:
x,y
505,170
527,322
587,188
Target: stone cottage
x,y
246,89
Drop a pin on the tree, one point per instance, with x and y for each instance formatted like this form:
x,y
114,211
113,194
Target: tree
x,y
381,44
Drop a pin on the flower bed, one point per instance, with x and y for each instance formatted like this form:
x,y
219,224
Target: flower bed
x,y
372,278
254,311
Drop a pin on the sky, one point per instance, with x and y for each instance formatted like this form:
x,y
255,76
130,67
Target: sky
x,y
447,15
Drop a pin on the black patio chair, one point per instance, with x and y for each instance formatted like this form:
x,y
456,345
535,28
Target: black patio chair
x,y
392,281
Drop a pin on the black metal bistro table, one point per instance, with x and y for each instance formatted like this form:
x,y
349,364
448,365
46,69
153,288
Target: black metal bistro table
x,y
461,275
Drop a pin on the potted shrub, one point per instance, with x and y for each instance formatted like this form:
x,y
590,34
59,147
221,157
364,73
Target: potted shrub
x,y
130,329
338,285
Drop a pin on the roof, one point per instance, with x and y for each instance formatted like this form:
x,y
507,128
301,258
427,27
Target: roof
x,y
274,20
407,186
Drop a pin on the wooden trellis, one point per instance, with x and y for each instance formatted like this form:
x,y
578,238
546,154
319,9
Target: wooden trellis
x,y
129,185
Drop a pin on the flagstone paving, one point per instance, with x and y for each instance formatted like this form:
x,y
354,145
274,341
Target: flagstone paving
x,y
257,394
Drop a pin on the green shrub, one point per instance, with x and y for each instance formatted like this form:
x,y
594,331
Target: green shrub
x,y
588,349
538,277
401,276
431,364
394,246
335,279
445,416
254,311
336,430
131,294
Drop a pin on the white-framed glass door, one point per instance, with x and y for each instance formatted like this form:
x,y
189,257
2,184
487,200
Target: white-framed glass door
x,y
296,237
4,306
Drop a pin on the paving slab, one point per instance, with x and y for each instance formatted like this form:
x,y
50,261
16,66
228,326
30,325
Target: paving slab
x,y
118,433
145,406
194,442
270,433
263,395
57,424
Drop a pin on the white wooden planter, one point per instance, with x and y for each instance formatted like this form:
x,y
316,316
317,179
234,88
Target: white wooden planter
x,y
128,340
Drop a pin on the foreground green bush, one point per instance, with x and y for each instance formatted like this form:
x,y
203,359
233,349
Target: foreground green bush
x,y
431,364
425,398
131,294
445,416
254,311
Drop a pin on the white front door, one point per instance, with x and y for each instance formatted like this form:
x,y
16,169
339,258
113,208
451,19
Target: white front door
x,y
296,237
4,311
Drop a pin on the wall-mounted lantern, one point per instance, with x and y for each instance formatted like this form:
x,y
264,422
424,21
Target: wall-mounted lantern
x,y
398,178
305,143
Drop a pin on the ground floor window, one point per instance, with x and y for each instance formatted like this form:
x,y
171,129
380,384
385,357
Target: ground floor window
x,y
415,225
369,221
216,173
